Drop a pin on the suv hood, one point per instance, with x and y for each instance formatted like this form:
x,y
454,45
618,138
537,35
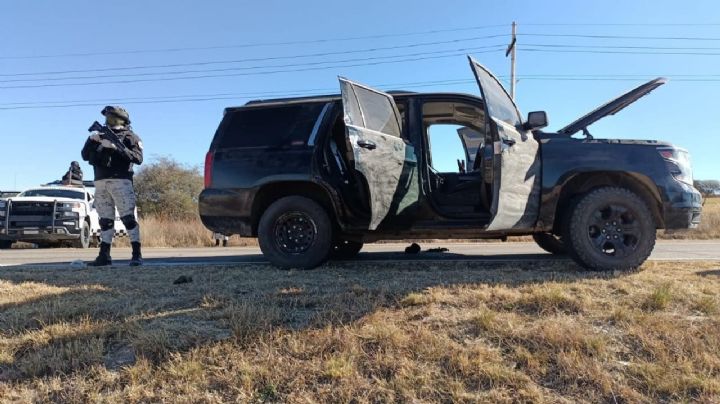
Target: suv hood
x,y
612,107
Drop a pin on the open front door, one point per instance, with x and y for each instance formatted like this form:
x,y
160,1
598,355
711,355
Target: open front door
x,y
516,187
373,129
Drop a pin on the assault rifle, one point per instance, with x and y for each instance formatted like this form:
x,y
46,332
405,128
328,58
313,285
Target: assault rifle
x,y
108,134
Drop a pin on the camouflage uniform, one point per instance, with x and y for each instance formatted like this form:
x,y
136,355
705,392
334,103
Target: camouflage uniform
x,y
113,183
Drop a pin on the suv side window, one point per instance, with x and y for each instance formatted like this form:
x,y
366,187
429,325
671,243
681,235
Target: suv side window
x,y
454,131
276,126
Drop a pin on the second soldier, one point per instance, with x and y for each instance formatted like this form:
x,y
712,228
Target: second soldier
x,y
113,168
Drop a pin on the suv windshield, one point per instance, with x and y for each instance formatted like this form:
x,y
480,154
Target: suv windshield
x,y
54,193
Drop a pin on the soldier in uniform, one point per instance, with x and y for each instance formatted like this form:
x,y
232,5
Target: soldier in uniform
x,y
113,170
74,175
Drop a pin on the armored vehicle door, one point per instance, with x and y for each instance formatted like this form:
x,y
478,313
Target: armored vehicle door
x,y
516,183
374,130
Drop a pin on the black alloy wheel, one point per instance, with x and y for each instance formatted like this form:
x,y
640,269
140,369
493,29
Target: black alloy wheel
x,y
610,228
295,232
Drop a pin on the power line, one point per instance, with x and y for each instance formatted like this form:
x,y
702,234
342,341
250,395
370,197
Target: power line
x,y
262,59
621,37
240,74
629,24
623,47
638,52
244,68
310,92
259,44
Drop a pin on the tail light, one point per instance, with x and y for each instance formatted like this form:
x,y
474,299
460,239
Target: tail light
x,y
209,159
677,162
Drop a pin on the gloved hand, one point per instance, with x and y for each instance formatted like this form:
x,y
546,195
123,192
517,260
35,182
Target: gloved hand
x,y
95,137
107,144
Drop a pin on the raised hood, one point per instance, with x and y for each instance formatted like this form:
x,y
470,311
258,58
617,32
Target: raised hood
x,y
612,107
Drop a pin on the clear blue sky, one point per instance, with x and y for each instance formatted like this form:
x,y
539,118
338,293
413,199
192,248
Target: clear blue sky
x,y
39,142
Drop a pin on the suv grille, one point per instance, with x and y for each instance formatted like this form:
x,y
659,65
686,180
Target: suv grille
x,y
32,209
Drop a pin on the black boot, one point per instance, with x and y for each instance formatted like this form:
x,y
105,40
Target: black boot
x,y
136,259
103,259
224,243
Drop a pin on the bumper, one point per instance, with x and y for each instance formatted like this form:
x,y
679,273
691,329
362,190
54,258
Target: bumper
x,y
227,211
59,233
684,208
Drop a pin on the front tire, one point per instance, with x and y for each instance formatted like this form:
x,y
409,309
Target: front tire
x,y
550,243
85,236
295,232
5,244
610,229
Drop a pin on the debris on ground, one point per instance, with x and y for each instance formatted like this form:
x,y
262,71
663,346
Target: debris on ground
x,y
182,279
413,248
437,249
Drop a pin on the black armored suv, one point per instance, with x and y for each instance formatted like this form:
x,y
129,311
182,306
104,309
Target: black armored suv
x,y
314,178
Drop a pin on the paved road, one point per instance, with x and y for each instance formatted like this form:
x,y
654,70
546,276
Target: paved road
x,y
664,250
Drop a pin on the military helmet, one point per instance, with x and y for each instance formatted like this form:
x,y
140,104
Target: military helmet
x,y
117,111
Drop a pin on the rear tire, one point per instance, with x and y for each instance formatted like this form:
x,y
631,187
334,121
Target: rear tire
x,y
295,232
85,236
345,249
550,243
610,229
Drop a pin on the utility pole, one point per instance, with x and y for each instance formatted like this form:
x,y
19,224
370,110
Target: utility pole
x,y
511,51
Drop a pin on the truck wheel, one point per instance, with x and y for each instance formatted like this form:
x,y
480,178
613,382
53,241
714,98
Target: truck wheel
x,y
85,235
610,229
550,243
295,232
345,249
5,244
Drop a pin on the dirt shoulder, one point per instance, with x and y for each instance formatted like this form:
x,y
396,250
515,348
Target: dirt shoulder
x,y
452,332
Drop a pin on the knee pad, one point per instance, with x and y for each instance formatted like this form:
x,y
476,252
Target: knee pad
x,y
106,224
129,222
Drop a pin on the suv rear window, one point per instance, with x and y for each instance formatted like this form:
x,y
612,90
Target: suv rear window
x,y
283,125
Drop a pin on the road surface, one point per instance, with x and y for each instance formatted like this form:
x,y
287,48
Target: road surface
x,y
706,250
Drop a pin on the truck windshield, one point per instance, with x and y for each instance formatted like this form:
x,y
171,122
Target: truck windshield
x,y
54,193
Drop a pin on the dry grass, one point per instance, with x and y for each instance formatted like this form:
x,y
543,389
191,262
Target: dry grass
x,y
709,224
412,332
190,232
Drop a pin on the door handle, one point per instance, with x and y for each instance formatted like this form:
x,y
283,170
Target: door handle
x,y
366,144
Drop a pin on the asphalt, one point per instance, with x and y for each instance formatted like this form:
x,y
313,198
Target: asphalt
x,y
380,253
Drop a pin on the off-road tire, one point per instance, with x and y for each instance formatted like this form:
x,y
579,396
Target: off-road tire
x,y
345,249
85,235
610,229
550,243
295,232
5,244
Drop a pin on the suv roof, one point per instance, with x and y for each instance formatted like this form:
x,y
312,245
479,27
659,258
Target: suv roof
x,y
332,97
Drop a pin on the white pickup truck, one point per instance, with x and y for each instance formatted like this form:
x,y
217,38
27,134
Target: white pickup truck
x,y
52,214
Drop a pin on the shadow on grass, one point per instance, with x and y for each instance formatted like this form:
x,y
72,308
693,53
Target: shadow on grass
x,y
113,316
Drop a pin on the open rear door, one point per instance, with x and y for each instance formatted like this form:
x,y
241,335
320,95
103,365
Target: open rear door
x,y
516,187
373,128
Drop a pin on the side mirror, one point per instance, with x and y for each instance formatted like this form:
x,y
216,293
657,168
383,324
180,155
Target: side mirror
x,y
536,120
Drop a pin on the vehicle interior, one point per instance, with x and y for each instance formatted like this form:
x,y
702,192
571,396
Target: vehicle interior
x,y
458,162
339,161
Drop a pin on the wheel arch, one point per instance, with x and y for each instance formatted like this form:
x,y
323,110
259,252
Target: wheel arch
x,y
582,183
269,193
